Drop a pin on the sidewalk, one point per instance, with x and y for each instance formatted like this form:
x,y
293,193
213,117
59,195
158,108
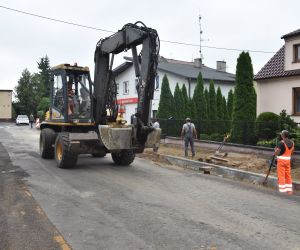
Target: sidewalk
x,y
218,170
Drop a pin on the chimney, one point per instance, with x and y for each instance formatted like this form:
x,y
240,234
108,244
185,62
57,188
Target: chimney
x,y
221,66
198,62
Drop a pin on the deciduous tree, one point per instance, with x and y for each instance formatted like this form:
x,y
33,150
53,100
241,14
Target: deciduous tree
x,y
25,94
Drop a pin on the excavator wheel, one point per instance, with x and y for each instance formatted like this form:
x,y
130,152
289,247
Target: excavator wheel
x,y
123,158
47,139
64,158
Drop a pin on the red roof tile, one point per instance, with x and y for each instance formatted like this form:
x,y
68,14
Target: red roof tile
x,y
274,68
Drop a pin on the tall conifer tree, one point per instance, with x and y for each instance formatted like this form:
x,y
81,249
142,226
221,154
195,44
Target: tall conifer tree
x,y
212,107
212,102
220,111
225,113
206,96
178,101
44,72
230,104
186,109
199,99
244,102
192,108
166,102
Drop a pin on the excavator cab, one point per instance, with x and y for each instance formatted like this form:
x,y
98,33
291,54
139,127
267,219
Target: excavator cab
x,y
71,95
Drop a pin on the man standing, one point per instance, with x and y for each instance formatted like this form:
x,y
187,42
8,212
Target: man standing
x,y
71,103
156,125
31,119
284,151
189,133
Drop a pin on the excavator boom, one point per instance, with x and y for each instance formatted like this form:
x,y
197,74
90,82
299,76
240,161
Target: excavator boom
x,y
129,37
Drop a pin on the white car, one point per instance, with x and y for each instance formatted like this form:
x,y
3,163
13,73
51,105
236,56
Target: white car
x,y
22,119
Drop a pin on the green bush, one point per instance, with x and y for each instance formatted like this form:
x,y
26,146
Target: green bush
x,y
44,104
286,122
268,143
216,137
267,125
296,138
205,137
41,115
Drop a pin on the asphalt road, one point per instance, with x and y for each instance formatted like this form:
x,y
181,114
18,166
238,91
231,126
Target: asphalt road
x,y
98,205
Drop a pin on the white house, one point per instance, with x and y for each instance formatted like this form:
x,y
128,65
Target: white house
x,y
180,72
278,82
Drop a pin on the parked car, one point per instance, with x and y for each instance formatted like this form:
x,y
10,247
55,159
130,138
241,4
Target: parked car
x,y
22,119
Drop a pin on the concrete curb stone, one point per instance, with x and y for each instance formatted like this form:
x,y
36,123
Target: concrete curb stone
x,y
226,172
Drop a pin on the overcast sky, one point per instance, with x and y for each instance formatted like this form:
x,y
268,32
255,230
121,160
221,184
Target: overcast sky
x,y
236,24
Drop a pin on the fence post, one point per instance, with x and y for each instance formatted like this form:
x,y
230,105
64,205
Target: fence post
x,y
198,128
245,131
167,128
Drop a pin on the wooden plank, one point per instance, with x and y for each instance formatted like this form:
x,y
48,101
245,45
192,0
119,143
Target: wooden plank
x,y
218,158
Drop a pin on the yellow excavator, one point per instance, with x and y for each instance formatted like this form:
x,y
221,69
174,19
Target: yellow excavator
x,y
83,115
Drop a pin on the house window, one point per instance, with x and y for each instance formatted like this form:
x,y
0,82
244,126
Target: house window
x,y
157,82
154,113
135,85
126,88
118,86
297,53
296,93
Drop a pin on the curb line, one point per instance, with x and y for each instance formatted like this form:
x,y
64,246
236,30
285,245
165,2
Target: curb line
x,y
226,172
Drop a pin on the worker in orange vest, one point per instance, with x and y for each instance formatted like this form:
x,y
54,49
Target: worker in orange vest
x,y
284,151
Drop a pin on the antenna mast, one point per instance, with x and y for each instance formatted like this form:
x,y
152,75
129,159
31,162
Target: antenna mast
x,y
201,40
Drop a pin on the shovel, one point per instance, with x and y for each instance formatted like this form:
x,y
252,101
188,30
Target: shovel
x,y
269,171
218,153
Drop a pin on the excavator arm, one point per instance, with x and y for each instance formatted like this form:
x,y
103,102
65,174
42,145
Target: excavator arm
x,y
145,65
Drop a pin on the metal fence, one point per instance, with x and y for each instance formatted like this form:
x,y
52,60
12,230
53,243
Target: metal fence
x,y
251,133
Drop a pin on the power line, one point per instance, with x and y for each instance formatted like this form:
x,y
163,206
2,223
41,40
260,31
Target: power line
x,y
56,20
213,47
110,31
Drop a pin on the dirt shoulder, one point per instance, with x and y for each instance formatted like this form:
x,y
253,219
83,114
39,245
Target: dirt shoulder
x,y
248,162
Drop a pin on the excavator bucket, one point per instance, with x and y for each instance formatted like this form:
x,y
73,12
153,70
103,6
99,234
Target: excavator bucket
x,y
119,138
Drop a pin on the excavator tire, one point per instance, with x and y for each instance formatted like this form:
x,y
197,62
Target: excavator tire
x,y
47,139
64,158
123,158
